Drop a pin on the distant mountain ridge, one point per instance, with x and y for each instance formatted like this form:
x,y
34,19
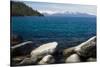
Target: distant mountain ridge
x,y
21,9
70,14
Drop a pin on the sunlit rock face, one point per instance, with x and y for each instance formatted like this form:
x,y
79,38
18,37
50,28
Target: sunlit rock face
x,y
44,49
73,59
48,59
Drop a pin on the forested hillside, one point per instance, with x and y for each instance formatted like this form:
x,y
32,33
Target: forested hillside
x,y
21,9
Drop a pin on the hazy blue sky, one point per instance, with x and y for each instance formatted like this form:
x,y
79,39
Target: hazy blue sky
x,y
61,8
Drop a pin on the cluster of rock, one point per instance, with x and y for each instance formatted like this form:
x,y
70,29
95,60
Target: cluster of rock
x,y
40,55
44,54
81,53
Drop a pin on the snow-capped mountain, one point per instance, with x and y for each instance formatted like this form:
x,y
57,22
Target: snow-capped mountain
x,y
72,14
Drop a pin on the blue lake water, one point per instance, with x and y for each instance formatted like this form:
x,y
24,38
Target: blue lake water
x,y
67,31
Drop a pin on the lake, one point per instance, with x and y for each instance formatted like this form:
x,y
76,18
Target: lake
x,y
67,31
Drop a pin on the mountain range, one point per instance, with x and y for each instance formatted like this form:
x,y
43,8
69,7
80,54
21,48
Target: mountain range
x,y
69,14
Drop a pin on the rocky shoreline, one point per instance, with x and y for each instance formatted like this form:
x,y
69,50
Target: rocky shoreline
x,y
49,53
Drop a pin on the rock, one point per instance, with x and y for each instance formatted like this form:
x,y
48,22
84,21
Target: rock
x,y
23,48
38,53
26,61
16,60
21,44
45,49
73,59
48,59
16,39
87,49
69,51
91,60
81,52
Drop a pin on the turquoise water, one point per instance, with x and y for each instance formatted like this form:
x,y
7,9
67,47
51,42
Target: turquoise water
x,y
67,31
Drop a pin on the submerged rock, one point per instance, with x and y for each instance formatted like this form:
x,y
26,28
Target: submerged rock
x,y
45,49
87,49
48,59
21,44
73,59
16,39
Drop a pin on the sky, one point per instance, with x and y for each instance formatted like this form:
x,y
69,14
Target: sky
x,y
52,8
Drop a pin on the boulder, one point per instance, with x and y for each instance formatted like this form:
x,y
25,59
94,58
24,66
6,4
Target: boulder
x,y
87,49
48,59
73,59
45,49
38,54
